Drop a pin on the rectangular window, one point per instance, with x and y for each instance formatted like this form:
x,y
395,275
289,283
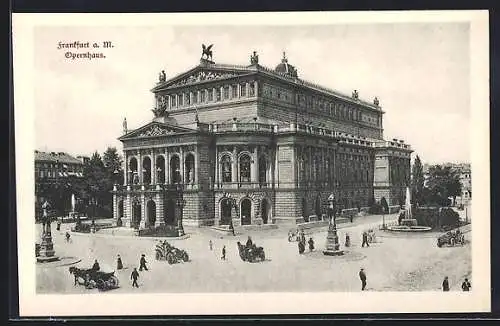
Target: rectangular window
x,y
195,97
226,92
174,101
210,95
235,91
203,96
188,98
181,99
219,94
243,90
252,89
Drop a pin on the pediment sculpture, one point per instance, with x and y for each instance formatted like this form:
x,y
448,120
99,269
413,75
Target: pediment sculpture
x,y
202,76
155,131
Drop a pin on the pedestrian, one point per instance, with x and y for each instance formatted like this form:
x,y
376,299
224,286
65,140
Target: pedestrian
x,y
210,244
466,285
365,239
68,236
347,240
231,227
249,242
311,244
134,276
58,228
351,216
362,277
302,247
119,264
446,284
142,263
223,253
96,267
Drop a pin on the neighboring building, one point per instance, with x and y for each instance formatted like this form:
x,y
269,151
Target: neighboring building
x,y
257,145
51,166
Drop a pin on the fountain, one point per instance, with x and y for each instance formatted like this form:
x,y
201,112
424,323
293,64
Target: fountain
x,y
408,224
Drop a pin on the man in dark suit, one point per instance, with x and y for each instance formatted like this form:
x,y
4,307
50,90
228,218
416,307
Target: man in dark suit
x,y
362,277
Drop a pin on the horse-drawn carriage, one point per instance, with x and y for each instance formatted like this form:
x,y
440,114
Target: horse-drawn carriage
x,y
251,253
91,278
451,238
173,255
372,237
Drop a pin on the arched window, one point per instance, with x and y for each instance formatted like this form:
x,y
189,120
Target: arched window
x,y
133,173
175,171
244,168
262,170
226,169
160,169
146,170
189,168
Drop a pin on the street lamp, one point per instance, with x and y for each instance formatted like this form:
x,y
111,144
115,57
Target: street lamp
x,y
181,202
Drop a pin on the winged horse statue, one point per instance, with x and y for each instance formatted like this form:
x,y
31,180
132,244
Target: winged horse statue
x,y
207,51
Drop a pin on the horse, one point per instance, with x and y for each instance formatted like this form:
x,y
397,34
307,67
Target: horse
x,y
77,272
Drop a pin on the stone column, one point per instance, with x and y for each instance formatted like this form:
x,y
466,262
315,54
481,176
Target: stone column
x,y
238,90
196,165
167,166
125,168
256,86
217,167
276,168
127,209
181,163
255,166
142,224
159,209
247,86
153,167
234,170
115,206
221,90
139,167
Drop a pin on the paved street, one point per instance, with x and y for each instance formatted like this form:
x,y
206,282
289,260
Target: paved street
x,y
396,263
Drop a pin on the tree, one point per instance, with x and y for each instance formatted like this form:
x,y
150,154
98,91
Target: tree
x,y
417,181
113,163
443,183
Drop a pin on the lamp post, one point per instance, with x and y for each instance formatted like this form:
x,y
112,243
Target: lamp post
x,y
181,202
332,239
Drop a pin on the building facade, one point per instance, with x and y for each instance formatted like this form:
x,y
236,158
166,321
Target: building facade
x,y
50,167
254,145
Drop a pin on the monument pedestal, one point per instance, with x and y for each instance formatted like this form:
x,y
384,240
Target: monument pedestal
x,y
47,252
332,242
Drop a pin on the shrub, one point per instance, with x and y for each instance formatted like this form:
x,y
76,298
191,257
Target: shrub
x,y
375,209
449,218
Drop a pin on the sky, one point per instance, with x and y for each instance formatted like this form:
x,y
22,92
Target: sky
x,y
419,71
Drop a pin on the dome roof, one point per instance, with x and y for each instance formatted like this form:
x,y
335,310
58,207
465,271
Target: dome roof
x,y
285,68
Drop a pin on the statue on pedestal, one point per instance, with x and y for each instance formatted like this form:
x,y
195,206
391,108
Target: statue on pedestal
x,y
46,219
207,51
355,94
162,77
125,125
254,59
376,101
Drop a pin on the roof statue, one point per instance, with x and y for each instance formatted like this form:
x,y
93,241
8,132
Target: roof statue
x,y
162,107
285,68
376,101
355,95
162,76
254,59
124,125
207,51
